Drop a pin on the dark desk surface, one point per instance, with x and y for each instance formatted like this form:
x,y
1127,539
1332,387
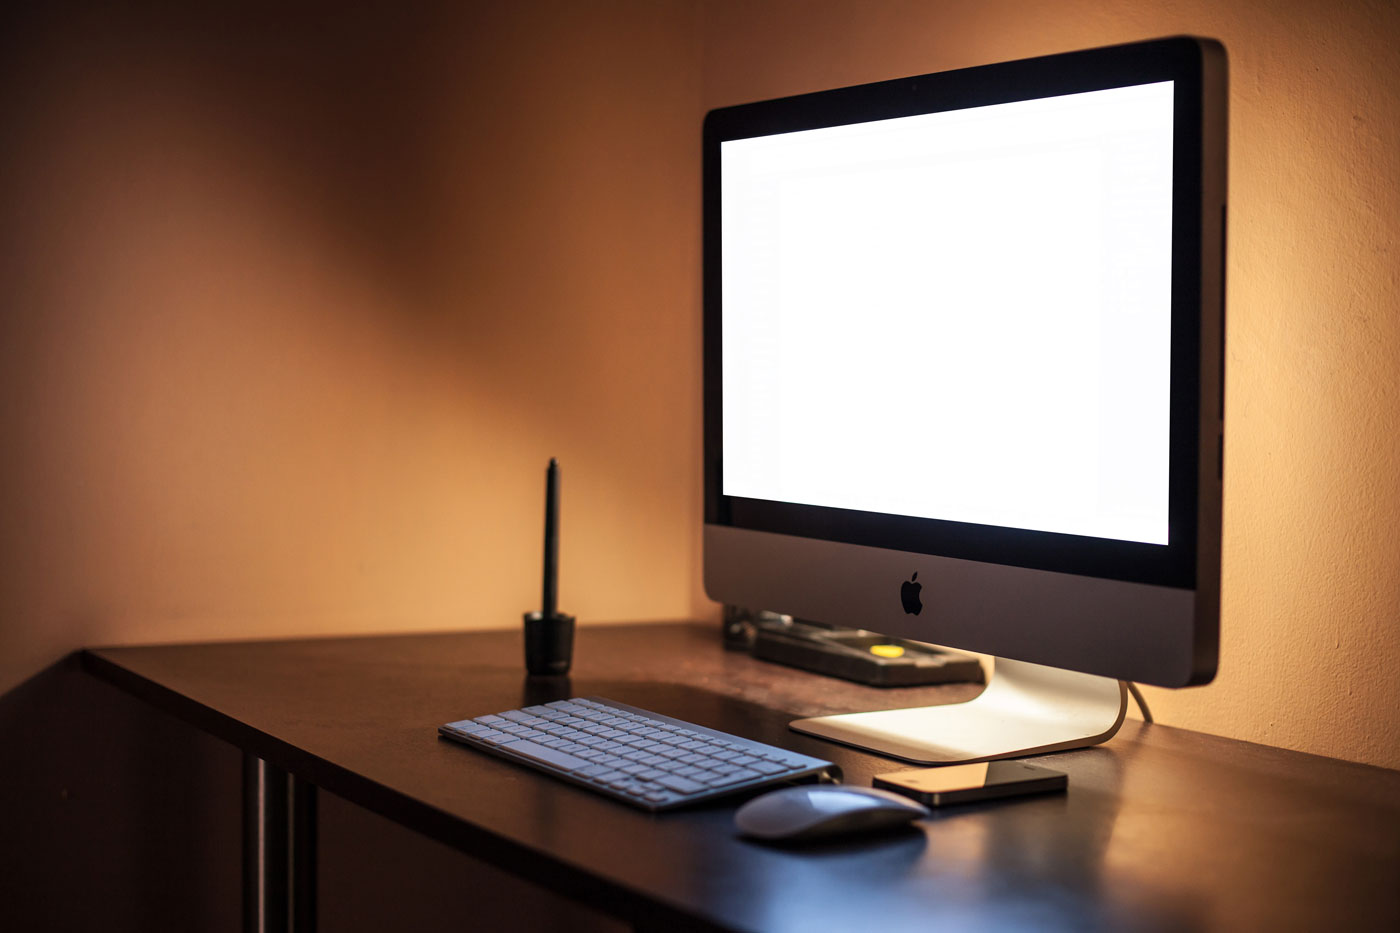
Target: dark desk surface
x,y
1161,828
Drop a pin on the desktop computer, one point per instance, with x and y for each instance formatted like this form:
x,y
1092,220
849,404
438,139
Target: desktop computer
x,y
963,341
963,379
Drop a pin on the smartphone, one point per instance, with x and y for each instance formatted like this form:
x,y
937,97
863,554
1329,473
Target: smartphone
x,y
986,780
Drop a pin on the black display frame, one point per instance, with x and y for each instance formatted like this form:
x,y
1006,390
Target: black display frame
x,y
1180,60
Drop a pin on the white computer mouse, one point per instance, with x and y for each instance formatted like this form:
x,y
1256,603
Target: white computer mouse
x,y
812,811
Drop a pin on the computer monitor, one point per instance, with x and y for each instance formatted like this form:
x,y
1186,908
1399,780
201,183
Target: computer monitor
x,y
964,379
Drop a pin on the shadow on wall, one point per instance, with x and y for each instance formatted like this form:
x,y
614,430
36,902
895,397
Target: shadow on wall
x,y
320,109
372,125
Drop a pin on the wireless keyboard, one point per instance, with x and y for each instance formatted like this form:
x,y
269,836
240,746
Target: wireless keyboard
x,y
639,757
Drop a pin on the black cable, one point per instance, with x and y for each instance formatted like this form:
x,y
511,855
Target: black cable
x,y
1142,704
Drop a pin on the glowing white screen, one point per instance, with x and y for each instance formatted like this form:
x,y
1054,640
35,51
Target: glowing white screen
x,y
960,315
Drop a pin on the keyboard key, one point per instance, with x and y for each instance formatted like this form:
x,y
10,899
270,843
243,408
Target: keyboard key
x,y
547,755
719,780
496,738
468,726
677,783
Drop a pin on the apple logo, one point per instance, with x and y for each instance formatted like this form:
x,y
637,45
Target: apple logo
x,y
909,595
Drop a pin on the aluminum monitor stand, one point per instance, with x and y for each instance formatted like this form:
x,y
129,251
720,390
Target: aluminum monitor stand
x,y
1026,709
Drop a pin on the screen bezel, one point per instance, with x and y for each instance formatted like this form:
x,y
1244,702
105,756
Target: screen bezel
x,y
1173,564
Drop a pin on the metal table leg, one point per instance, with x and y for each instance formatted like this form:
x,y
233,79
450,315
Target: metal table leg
x,y
279,850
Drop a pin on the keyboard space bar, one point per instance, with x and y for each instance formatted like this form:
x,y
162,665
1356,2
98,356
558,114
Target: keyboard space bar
x,y
527,749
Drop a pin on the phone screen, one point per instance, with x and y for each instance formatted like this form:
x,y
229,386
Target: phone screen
x,y
980,781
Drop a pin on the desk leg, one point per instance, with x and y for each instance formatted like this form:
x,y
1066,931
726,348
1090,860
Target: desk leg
x,y
279,850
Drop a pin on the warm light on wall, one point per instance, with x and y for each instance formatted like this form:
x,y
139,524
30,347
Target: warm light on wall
x,y
299,313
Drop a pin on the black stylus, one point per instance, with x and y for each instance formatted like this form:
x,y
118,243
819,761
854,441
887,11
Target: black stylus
x,y
549,605
549,633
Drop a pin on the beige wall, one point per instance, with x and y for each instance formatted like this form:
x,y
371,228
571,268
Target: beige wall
x,y
1311,600
295,308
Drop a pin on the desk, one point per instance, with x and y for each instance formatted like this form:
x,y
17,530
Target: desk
x,y
1161,828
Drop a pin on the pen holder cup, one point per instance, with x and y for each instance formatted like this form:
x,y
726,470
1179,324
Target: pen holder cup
x,y
549,643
